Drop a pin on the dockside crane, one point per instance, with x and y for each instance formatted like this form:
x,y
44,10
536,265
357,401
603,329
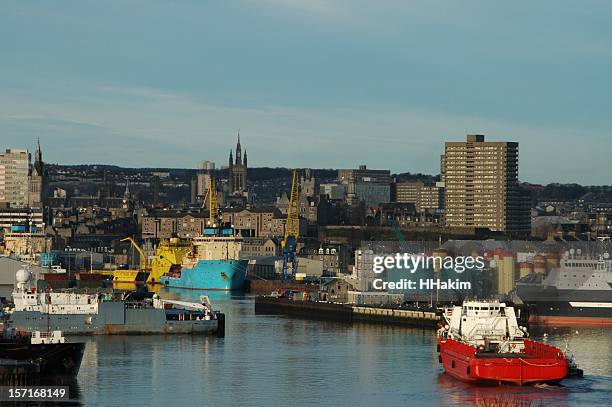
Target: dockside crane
x,y
213,206
143,259
292,229
212,197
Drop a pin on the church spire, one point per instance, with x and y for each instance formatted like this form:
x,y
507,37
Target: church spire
x,y
231,159
126,193
238,151
245,158
38,164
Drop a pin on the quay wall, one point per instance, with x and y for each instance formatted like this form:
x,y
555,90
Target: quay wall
x,y
265,287
345,312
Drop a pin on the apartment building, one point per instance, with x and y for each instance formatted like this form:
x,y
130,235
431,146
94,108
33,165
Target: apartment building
x,y
481,185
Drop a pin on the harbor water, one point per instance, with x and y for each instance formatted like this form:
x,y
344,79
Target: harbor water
x,y
277,360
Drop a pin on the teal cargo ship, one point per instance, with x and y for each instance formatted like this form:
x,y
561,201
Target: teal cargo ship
x,y
228,275
213,264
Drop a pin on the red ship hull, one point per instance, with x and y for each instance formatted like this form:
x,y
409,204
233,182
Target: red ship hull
x,y
539,363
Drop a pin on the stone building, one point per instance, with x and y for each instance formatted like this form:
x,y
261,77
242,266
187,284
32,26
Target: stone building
x,y
335,290
167,224
256,222
237,171
370,186
26,243
335,257
307,206
36,180
260,247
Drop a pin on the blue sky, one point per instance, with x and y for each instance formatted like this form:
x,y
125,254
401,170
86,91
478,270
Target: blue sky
x,y
309,83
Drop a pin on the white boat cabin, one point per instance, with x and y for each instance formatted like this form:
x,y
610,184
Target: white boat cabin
x,y
46,338
489,325
27,298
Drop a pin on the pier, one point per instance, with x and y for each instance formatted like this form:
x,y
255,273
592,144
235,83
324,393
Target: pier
x,y
347,313
261,287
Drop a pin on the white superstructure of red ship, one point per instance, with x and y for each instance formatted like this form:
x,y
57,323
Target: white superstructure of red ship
x,y
481,341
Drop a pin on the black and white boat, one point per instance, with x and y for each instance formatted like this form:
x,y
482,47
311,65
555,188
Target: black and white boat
x,y
46,354
578,292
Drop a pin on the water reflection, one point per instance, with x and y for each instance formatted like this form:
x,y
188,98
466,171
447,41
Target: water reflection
x,y
456,392
591,347
274,360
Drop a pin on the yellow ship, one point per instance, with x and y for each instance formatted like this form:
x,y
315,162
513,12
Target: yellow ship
x,y
154,288
126,276
169,254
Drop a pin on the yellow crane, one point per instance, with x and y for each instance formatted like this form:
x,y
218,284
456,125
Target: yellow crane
x,y
292,228
213,207
143,259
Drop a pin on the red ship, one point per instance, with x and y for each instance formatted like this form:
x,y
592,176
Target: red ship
x,y
482,342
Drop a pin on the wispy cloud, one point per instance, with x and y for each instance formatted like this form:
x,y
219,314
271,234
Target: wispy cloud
x,y
137,92
309,82
42,121
152,127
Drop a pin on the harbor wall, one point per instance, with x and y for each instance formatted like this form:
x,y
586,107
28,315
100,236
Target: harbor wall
x,y
345,312
265,287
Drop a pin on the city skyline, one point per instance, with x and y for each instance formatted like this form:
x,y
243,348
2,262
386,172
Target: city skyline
x,y
226,202
223,166
319,81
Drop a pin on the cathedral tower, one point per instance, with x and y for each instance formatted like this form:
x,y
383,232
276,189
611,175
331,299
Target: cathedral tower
x,y
238,170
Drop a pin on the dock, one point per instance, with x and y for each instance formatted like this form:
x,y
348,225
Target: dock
x,y
261,287
347,313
